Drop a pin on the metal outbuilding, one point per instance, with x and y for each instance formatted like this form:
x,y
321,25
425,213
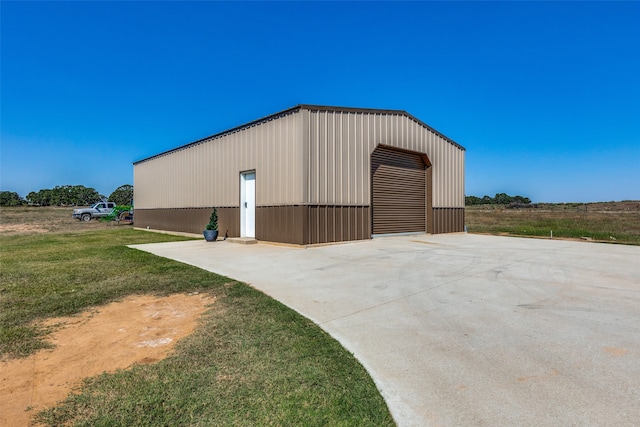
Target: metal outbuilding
x,y
309,174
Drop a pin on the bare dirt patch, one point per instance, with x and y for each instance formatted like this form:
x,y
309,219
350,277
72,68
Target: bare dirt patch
x,y
139,329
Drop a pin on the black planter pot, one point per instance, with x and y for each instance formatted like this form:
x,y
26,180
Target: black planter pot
x,y
210,235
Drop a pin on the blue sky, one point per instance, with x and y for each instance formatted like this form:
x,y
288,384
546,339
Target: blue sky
x,y
545,96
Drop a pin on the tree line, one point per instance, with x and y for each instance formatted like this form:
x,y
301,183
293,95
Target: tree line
x,y
79,195
499,199
67,195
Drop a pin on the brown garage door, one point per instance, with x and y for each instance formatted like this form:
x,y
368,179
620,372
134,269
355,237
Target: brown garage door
x,y
398,191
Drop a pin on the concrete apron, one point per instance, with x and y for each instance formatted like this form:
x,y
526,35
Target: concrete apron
x,y
464,329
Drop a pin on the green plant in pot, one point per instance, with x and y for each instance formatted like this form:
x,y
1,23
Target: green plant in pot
x,y
211,229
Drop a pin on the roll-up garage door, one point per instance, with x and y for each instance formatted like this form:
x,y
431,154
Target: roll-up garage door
x,y
398,191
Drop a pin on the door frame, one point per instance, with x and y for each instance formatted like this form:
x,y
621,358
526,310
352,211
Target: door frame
x,y
243,206
428,170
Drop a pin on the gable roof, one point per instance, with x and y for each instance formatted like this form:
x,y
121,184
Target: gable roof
x,y
298,107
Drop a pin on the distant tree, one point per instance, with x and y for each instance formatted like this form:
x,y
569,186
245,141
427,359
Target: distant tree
x,y
502,199
39,198
81,195
499,199
472,200
65,195
11,198
122,195
521,200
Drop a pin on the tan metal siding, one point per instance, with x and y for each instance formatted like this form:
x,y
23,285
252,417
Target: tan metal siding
x,y
207,174
340,144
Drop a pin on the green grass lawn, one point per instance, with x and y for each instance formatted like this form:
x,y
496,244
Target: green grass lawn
x,y
252,361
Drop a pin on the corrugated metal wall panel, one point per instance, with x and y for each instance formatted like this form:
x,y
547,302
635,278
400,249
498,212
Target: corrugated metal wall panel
x,y
340,145
281,224
448,220
189,220
207,174
337,224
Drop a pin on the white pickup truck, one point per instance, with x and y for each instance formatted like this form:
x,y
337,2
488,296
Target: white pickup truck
x,y
99,210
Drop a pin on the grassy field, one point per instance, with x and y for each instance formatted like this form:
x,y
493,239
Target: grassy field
x,y
607,222
252,361
25,219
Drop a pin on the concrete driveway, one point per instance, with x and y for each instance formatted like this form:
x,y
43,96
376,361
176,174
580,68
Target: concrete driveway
x,y
464,329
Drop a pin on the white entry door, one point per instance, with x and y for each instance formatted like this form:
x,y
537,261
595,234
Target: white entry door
x,y
248,204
